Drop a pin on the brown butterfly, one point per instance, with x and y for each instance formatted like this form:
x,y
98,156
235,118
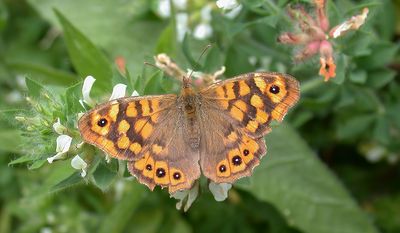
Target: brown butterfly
x,y
169,140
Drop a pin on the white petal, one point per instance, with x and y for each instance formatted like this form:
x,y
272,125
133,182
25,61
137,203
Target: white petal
x,y
202,31
78,163
206,13
234,12
186,197
63,143
220,191
59,155
58,127
135,93
181,25
227,4
86,88
118,91
180,4
193,193
164,9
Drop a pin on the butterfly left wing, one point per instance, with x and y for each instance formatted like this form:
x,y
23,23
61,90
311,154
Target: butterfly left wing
x,y
123,126
149,133
237,112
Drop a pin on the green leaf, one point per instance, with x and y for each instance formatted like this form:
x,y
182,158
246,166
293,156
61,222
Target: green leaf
x,y
302,188
72,96
381,77
104,177
359,76
382,54
43,73
86,57
354,126
34,88
121,214
10,140
167,41
341,66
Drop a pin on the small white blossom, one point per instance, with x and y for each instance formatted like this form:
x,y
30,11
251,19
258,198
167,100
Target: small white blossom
x,y
86,88
118,91
180,4
220,191
79,164
206,13
202,31
135,93
227,4
58,127
164,9
375,154
63,145
186,197
182,20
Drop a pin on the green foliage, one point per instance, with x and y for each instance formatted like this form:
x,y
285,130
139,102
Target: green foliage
x,y
331,167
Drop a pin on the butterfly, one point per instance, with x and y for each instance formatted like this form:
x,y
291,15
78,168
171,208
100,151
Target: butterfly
x,y
170,140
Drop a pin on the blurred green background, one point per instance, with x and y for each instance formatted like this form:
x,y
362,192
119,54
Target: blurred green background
x,y
332,166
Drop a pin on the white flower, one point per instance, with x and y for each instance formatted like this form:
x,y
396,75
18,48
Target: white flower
x,y
202,31
227,4
86,88
186,197
79,164
164,9
375,154
181,25
118,91
206,13
220,191
135,93
58,127
63,144
180,4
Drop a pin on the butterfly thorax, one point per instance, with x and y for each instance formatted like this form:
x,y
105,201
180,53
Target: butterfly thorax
x,y
188,103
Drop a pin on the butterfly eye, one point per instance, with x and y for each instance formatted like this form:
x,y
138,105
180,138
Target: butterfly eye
x,y
274,89
102,122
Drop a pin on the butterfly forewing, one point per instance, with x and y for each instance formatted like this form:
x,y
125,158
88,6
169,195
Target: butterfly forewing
x,y
122,127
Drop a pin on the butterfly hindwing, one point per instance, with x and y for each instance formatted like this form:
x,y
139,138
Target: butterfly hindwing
x,y
241,110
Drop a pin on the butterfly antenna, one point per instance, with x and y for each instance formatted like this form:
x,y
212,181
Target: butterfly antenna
x,y
152,65
198,59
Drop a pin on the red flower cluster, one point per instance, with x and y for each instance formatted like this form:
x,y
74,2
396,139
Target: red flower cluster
x,y
315,35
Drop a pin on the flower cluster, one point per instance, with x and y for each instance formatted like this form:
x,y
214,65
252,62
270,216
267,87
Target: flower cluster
x,y
316,36
197,24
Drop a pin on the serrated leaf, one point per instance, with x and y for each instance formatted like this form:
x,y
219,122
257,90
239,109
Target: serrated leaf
x,y
302,188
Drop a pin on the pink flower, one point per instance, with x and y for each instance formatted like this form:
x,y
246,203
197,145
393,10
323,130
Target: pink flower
x,y
316,37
